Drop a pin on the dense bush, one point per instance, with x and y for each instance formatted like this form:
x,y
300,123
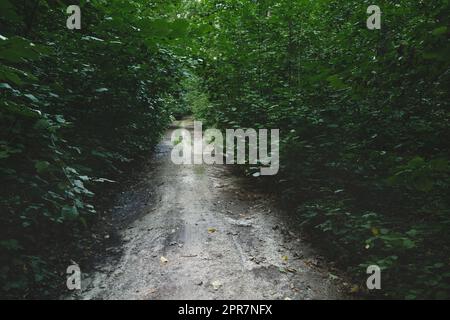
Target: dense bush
x,y
75,106
364,118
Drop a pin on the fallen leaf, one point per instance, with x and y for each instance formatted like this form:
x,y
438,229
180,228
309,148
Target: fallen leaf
x,y
332,276
354,289
150,291
291,270
216,284
212,230
282,270
163,260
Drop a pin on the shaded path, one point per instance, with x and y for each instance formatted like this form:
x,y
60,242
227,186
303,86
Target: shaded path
x,y
202,236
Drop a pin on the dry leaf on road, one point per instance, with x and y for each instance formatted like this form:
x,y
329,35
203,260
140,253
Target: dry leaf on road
x,y
212,230
163,260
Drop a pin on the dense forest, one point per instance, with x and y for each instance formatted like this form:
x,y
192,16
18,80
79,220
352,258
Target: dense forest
x,y
363,116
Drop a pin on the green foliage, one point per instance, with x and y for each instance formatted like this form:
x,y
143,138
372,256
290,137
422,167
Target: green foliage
x,y
195,97
75,107
364,122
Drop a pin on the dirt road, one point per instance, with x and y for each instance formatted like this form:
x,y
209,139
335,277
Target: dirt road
x,y
198,233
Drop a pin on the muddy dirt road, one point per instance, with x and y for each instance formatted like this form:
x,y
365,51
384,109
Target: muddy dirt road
x,y
198,233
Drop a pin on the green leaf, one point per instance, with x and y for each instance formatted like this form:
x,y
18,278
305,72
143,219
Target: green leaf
x,y
42,124
5,86
416,162
70,212
439,31
8,12
11,245
14,75
179,28
31,97
336,82
42,166
155,28
424,184
17,49
408,243
17,109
